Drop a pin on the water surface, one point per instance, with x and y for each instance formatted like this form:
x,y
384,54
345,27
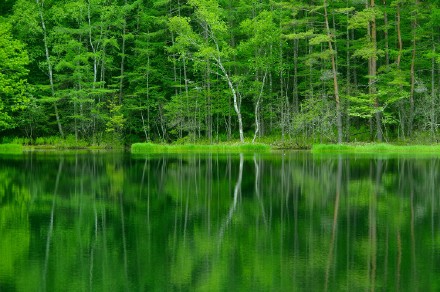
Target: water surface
x,y
209,222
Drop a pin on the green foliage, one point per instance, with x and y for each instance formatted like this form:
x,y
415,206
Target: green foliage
x,y
361,19
318,39
14,89
162,70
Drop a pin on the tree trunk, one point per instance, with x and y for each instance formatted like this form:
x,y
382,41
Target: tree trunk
x,y
373,72
234,96
257,107
49,66
433,121
335,75
295,76
399,57
412,72
385,32
121,80
348,84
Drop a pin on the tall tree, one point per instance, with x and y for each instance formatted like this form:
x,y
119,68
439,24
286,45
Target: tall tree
x,y
40,4
334,73
208,12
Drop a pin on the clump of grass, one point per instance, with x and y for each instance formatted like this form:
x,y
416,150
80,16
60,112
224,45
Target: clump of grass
x,y
11,149
375,148
142,148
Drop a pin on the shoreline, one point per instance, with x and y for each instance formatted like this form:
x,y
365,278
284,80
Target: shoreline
x,y
231,147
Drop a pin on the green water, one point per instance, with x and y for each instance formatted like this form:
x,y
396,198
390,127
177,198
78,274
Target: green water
x,y
208,222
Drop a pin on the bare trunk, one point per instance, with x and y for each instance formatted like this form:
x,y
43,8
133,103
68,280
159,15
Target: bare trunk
x,y
234,96
257,107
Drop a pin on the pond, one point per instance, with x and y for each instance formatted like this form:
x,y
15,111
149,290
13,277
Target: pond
x,y
289,221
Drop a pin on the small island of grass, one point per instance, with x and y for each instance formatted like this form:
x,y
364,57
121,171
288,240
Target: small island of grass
x,y
11,149
370,148
144,148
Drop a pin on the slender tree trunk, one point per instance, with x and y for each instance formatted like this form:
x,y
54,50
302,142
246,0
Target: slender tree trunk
x,y
373,72
144,127
295,76
121,80
208,102
51,226
433,121
412,73
399,57
348,78
208,114
385,34
332,247
234,96
335,74
95,59
49,65
257,107
147,127
187,116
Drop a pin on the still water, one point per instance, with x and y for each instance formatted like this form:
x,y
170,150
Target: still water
x,y
219,222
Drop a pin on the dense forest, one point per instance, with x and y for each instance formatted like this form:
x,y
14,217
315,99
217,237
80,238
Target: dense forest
x,y
220,70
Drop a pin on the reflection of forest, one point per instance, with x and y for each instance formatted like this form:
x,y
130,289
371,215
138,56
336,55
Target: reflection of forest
x,y
215,222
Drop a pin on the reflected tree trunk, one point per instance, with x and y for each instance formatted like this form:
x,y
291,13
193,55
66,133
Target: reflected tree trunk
x,y
373,226
399,260
233,207
51,223
413,240
257,189
331,258
124,238
93,245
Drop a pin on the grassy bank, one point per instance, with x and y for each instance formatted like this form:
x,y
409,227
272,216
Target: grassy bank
x,y
67,143
11,149
375,148
142,148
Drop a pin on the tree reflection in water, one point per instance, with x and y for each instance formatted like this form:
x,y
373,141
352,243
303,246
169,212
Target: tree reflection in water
x,y
289,221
